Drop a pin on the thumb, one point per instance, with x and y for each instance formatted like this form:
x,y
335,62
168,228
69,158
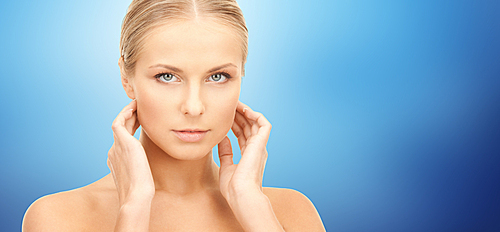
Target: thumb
x,y
225,152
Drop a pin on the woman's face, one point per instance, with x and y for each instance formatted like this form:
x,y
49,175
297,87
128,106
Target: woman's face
x,y
188,76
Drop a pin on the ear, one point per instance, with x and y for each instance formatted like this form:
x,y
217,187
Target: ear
x,y
126,80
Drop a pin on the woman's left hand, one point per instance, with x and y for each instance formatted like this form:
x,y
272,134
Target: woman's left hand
x,y
239,180
241,184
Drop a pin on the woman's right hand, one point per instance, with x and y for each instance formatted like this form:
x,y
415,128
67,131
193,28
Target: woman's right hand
x,y
127,159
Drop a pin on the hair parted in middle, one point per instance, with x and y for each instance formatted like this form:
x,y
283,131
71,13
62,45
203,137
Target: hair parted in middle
x,y
144,15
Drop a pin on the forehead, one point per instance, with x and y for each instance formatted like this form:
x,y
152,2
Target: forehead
x,y
191,44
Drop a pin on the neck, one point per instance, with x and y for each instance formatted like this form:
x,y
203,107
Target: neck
x,y
180,177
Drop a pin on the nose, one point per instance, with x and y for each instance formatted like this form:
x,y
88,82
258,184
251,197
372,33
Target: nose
x,y
193,104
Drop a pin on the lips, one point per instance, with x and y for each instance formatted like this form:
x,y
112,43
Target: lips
x,y
190,135
192,130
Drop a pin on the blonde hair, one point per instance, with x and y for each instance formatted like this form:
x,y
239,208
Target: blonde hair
x,y
144,15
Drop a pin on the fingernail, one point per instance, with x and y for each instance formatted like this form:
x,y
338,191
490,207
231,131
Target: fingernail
x,y
244,109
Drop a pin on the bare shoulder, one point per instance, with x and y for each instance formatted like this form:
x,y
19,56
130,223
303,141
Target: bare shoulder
x,y
294,210
70,210
54,212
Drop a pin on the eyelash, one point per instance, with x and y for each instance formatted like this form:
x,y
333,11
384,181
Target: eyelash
x,y
160,75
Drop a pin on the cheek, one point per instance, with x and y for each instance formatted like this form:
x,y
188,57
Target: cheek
x,y
149,111
224,111
225,118
155,106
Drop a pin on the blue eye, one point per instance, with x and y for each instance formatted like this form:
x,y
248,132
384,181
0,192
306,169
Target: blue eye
x,y
169,77
218,76
165,77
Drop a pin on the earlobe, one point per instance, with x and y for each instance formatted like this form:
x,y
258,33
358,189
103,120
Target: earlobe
x,y
127,86
126,81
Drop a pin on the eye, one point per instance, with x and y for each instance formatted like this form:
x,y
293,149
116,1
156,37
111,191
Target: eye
x,y
218,76
165,77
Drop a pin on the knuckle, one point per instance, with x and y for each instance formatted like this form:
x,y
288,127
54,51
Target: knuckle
x,y
114,126
259,115
111,153
237,133
244,124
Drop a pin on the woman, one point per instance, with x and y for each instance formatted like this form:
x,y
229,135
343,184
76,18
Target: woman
x,y
181,63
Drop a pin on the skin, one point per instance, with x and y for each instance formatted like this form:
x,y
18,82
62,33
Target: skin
x,y
160,183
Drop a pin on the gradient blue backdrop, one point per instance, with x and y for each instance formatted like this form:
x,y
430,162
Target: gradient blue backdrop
x,y
385,113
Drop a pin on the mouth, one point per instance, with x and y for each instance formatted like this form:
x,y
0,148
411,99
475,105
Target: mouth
x,y
190,135
191,130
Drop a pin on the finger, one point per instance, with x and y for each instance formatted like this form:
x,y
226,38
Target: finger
x,y
131,105
124,113
251,115
238,132
264,126
244,124
254,159
255,128
243,111
131,122
257,159
130,119
118,125
225,153
137,124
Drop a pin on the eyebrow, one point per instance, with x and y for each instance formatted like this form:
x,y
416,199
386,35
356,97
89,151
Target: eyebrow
x,y
180,71
221,67
166,66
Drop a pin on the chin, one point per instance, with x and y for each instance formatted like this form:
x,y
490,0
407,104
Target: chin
x,y
188,151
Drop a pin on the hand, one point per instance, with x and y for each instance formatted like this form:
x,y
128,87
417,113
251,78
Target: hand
x,y
127,159
252,130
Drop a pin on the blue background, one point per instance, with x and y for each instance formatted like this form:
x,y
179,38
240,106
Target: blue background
x,y
384,113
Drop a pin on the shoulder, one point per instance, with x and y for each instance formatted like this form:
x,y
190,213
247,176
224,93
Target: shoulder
x,y
55,212
294,210
72,210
